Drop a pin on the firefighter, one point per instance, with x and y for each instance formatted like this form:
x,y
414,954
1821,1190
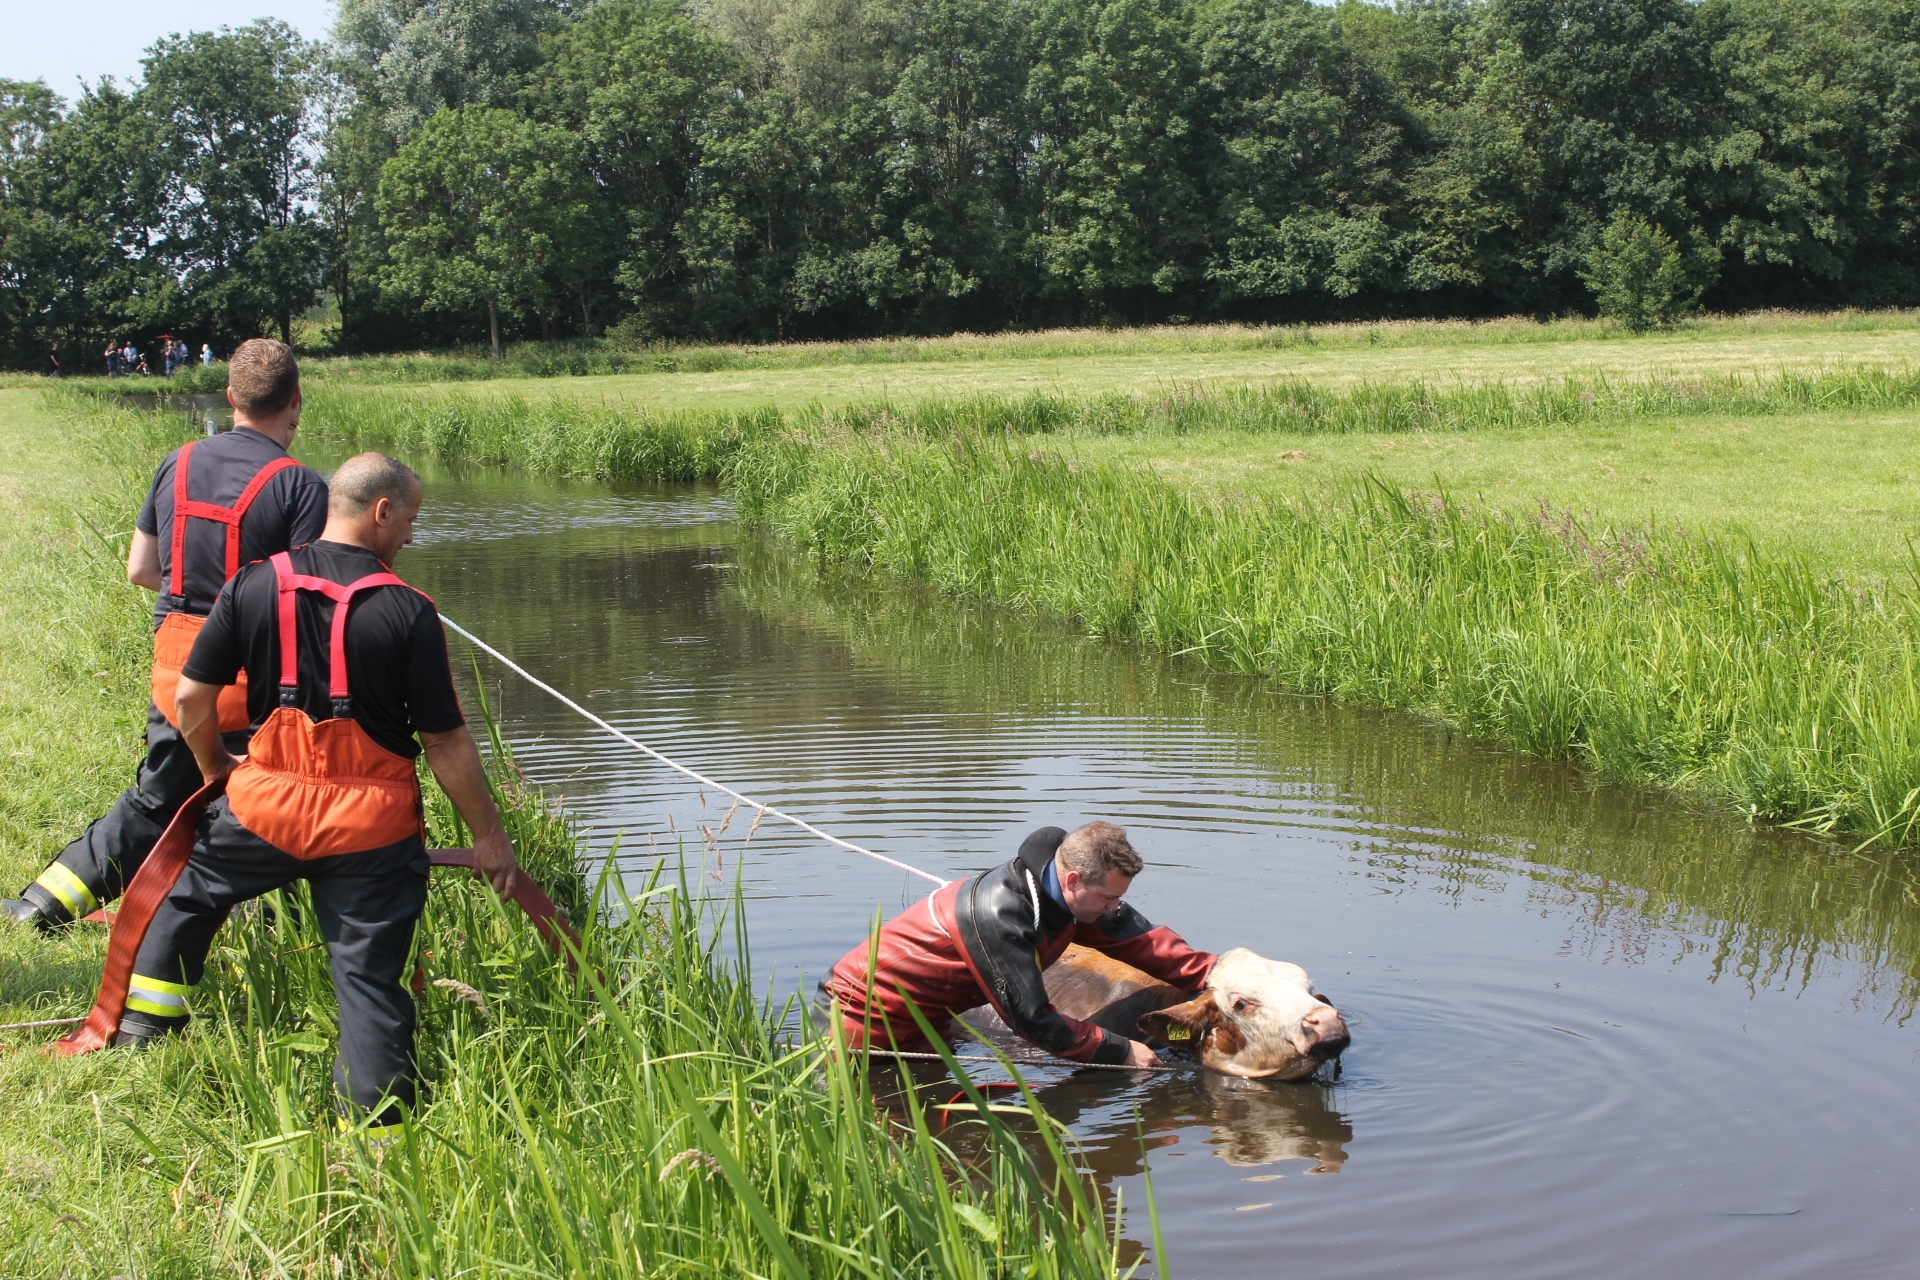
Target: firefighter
x,y
989,940
215,504
346,666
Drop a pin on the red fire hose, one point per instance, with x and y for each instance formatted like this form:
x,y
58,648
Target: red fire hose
x,y
156,878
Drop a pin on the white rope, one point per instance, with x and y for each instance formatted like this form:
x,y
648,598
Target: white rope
x,y
643,748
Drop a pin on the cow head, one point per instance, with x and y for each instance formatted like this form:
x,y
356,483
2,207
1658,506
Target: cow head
x,y
1257,1018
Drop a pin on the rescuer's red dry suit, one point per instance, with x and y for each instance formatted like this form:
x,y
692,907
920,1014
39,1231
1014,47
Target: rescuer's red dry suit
x,y
987,941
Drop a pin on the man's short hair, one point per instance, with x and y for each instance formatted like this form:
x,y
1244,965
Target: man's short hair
x,y
1096,849
262,376
365,478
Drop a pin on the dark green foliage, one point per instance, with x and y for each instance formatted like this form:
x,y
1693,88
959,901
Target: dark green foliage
x,y
230,112
181,205
796,169
1638,275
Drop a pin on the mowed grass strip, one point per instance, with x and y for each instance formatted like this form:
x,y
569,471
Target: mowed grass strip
x,y
1824,463
1842,489
647,1115
1083,363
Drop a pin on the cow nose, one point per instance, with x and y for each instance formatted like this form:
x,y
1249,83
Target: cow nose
x,y
1329,1031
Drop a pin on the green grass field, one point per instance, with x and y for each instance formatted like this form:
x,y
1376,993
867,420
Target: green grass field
x,y
1843,488
1094,361
1089,364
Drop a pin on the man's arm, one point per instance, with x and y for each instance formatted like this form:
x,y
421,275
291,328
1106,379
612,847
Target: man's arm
x,y
196,711
143,561
1008,960
1155,950
455,762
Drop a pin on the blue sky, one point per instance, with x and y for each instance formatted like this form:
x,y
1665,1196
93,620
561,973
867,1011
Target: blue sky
x,y
86,39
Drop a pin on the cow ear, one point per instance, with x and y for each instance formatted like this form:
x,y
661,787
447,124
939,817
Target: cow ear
x,y
1182,1023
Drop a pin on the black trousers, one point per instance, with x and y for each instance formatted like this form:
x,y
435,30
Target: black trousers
x,y
95,869
366,905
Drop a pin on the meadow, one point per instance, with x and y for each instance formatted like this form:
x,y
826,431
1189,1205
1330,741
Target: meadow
x,y
1077,362
645,1115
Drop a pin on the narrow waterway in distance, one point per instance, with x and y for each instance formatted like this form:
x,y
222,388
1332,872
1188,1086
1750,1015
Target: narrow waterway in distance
x,y
1596,1034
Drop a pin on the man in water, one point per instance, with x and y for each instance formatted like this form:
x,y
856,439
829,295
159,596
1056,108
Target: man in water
x,y
215,505
989,939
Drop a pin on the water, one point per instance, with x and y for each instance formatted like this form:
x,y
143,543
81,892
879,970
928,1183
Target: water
x,y
207,414
1595,1033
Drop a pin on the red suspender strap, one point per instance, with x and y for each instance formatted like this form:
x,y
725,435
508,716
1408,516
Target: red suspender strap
x,y
289,629
341,595
245,500
184,507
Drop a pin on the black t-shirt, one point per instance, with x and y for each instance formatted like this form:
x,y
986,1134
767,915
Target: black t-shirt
x,y
289,511
397,669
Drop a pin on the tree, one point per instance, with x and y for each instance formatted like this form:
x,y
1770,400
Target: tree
x,y
390,65
483,206
408,59
85,200
1112,97
28,109
229,114
1638,275
633,80
1310,144
1609,100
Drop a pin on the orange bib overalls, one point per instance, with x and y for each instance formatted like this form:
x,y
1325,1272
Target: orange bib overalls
x,y
173,641
312,789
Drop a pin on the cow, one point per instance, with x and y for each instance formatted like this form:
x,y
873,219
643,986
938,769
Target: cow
x,y
1257,1018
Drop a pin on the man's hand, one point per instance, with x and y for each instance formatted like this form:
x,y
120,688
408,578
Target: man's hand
x,y
196,710
455,762
493,860
1138,1055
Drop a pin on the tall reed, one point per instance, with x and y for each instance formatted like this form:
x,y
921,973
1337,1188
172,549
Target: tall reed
x,y
1711,668
561,436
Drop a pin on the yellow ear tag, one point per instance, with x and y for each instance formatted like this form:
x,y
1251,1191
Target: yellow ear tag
x,y
1177,1032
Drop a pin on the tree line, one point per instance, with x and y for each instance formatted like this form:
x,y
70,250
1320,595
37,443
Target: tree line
x,y
469,170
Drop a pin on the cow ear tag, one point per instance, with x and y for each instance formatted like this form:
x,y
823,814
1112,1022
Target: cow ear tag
x,y
1178,1031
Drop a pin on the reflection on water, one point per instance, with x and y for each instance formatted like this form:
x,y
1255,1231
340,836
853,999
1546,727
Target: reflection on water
x,y
1592,1028
207,414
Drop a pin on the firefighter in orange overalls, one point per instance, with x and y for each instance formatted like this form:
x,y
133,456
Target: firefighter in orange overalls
x,y
215,504
346,666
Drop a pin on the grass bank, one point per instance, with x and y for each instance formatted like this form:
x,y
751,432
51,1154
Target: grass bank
x,y
1742,673
1711,668
615,439
1821,464
643,1120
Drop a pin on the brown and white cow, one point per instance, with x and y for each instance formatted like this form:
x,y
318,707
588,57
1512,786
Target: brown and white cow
x,y
1257,1018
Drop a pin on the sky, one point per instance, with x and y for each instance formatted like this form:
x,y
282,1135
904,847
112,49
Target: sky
x,y
86,39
